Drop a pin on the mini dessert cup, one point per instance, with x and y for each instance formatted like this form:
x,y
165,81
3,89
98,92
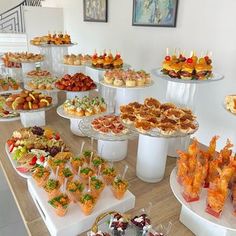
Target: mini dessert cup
x,y
74,190
108,175
142,225
41,176
119,187
60,203
118,225
87,203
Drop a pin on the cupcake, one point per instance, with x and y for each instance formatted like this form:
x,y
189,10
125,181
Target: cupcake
x,y
87,203
119,187
60,204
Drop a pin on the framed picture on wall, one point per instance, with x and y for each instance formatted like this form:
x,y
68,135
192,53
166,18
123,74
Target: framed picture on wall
x,y
95,10
160,13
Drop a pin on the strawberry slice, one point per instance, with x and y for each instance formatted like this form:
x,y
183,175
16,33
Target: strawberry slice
x,y
11,147
22,169
33,161
57,137
42,158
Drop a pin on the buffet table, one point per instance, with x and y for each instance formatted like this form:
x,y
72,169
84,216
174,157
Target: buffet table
x,y
165,206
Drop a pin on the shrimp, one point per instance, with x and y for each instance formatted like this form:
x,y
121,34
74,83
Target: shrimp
x,y
212,145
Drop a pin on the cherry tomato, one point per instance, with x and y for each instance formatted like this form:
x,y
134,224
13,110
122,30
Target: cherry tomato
x,y
167,58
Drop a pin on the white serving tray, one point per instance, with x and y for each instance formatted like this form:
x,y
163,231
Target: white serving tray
x,y
75,222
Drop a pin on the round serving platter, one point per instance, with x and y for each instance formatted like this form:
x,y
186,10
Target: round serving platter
x,y
227,220
214,78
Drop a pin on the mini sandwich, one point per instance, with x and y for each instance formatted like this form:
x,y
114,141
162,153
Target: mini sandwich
x,y
187,70
175,70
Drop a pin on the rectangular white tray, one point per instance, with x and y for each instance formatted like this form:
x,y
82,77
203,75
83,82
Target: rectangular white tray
x,y
75,222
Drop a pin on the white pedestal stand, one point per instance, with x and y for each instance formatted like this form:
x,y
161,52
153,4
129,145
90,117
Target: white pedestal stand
x,y
72,69
194,217
29,119
151,158
113,150
26,67
72,95
74,124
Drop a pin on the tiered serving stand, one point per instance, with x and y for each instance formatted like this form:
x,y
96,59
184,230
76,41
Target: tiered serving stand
x,y
152,154
53,55
182,93
110,147
194,217
125,95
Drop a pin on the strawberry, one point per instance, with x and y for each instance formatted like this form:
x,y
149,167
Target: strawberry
x,y
42,158
33,161
57,137
11,147
167,58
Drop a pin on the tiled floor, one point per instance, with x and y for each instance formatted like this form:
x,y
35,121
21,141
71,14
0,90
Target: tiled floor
x,y
10,219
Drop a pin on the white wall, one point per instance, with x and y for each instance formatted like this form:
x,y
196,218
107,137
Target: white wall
x,y
40,20
201,25
7,4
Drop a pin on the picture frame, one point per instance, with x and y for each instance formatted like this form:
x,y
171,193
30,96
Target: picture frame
x,y
95,10
155,13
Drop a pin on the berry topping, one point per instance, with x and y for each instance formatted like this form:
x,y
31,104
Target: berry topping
x,y
189,60
167,58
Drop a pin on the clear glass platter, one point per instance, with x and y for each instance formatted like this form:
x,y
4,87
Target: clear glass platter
x,y
86,128
30,111
45,45
214,78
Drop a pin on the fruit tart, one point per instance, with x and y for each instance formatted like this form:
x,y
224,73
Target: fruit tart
x,y
118,225
74,190
60,204
108,175
119,187
87,203
52,187
41,175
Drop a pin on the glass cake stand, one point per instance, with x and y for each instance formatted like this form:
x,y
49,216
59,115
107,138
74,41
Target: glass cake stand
x,y
182,93
111,147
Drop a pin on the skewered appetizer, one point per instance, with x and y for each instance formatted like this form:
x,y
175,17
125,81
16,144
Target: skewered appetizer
x,y
28,100
97,186
129,78
107,61
43,83
25,57
31,147
74,190
109,124
85,106
230,103
155,118
192,68
87,203
8,63
60,203
109,174
39,73
8,83
76,82
41,175
55,39
4,113
77,60
215,171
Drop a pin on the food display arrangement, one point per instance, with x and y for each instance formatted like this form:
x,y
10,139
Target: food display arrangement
x,y
107,61
42,83
230,103
8,83
75,83
4,114
28,100
198,169
52,39
127,78
31,147
192,68
39,73
77,60
84,106
156,119
9,64
25,57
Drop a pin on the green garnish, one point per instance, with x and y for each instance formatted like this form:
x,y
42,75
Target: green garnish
x,y
67,172
85,170
52,184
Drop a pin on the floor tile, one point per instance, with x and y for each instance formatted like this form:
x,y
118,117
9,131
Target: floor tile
x,y
8,210
3,182
17,228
